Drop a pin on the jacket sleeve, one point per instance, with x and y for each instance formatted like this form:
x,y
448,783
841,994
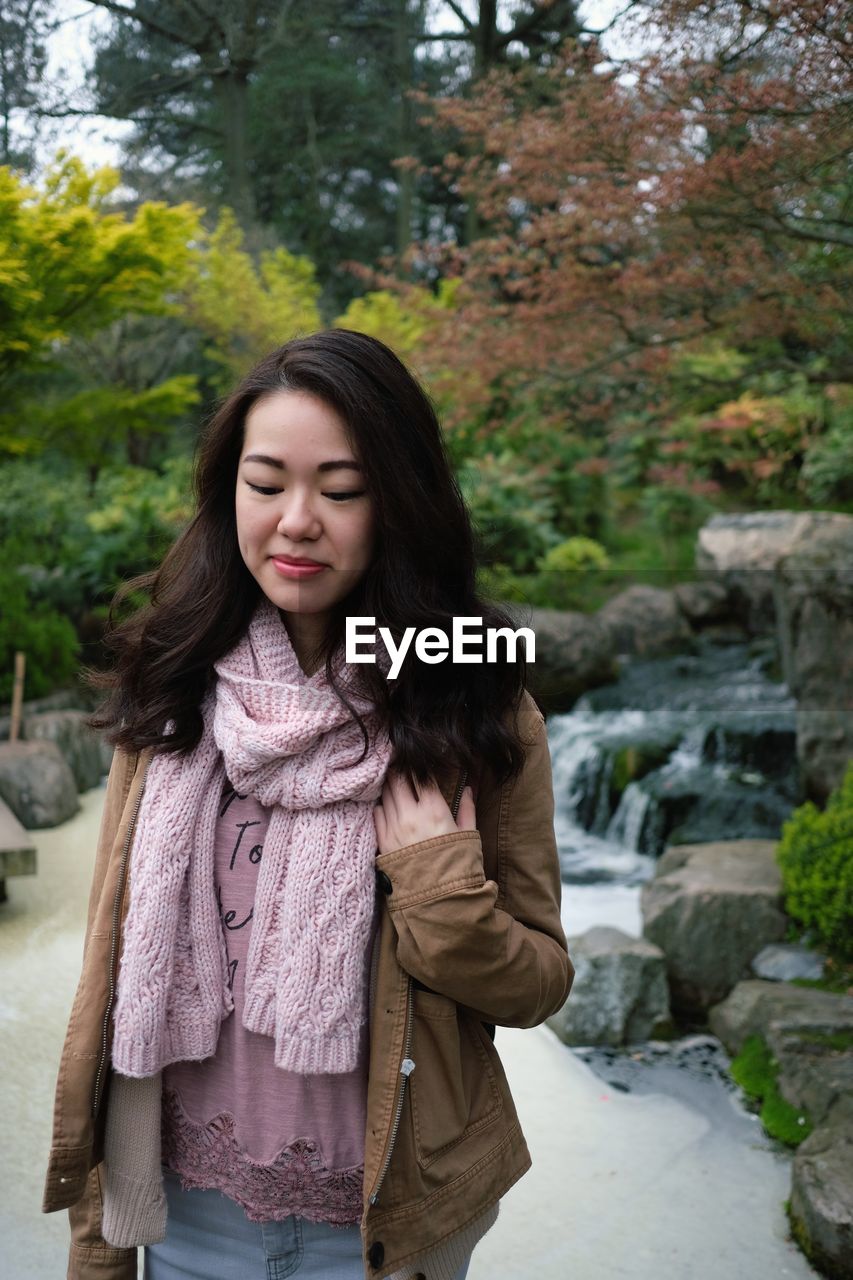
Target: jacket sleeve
x,y
500,951
90,1257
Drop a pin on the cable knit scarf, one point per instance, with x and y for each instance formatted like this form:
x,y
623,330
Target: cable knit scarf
x,y
287,739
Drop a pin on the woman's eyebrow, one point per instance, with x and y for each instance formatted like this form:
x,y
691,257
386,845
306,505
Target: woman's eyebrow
x,y
336,464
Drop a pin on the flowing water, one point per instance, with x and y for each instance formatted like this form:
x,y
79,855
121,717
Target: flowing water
x,y
678,750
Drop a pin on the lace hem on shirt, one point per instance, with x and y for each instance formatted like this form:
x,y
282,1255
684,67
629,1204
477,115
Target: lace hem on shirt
x,y
295,1182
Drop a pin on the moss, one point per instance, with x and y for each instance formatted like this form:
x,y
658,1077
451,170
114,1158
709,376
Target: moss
x,y
634,762
840,1040
837,978
756,1071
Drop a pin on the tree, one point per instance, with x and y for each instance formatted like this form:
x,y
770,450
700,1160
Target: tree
x,y
25,26
625,221
181,70
73,265
245,308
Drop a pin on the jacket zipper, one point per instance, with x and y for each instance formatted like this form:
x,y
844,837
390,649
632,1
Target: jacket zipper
x,y
407,1066
122,876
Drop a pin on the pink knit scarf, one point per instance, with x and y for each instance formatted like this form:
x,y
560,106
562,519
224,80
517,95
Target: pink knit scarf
x,y
287,739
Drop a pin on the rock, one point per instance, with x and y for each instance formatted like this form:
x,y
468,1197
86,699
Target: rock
x,y
813,594
751,1007
619,991
78,699
646,621
703,602
821,1205
573,653
80,745
698,806
815,1064
37,784
745,548
766,745
782,961
710,908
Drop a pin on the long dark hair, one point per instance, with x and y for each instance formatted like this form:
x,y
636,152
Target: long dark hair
x,y
202,596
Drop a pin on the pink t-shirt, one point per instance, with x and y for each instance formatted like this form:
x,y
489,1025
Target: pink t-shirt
x,y
277,1142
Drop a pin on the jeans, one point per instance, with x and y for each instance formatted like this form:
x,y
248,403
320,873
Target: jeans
x,y
209,1237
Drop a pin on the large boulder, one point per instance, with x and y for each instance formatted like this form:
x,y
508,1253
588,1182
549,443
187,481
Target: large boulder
x,y
813,594
80,745
710,908
646,622
821,1203
704,602
754,1005
815,1063
745,548
573,653
37,784
619,993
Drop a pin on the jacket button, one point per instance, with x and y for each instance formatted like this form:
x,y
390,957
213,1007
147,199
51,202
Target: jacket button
x,y
384,882
376,1254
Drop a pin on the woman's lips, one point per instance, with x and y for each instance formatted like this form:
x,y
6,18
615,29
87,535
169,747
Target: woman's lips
x,y
288,569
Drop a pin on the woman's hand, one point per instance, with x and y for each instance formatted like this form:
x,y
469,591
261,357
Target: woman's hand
x,y
401,820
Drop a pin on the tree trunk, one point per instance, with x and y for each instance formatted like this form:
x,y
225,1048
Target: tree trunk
x,y
405,64
232,91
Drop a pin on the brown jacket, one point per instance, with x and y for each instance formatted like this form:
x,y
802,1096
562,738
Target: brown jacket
x,y
470,935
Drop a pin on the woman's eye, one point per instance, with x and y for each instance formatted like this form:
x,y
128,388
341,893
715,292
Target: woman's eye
x,y
343,497
262,488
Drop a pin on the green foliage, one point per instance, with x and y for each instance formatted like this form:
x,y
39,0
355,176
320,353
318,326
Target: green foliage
x,y
755,1070
138,516
74,545
404,324
512,510
753,445
72,261
815,854
247,306
48,639
827,474
95,425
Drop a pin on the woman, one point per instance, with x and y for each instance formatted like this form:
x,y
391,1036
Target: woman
x,y
317,889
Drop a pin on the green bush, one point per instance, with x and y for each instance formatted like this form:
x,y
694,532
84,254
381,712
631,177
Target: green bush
x,y
815,854
48,640
827,474
511,509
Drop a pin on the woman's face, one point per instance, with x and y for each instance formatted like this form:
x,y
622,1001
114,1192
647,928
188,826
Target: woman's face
x,y
301,498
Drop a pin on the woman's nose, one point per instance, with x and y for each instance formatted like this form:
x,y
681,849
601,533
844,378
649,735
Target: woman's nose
x,y
298,518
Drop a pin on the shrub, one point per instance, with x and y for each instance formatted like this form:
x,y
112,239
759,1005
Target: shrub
x,y
827,474
48,640
511,508
815,854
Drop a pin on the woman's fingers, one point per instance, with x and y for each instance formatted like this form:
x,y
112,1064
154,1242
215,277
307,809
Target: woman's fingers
x,y
407,820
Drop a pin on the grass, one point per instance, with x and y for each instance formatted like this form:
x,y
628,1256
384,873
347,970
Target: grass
x,y
756,1071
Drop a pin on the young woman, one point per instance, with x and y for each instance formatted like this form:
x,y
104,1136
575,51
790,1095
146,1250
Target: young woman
x,y
317,889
